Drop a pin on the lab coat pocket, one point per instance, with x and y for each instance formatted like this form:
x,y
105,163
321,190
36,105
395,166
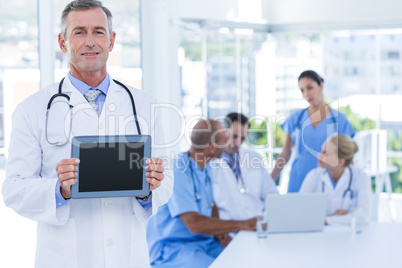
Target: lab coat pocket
x,y
56,243
139,256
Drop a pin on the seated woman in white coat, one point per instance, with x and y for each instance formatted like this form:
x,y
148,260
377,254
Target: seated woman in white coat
x,y
349,188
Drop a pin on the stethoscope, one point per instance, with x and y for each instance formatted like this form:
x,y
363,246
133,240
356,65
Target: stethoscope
x,y
348,190
243,189
61,94
197,196
305,110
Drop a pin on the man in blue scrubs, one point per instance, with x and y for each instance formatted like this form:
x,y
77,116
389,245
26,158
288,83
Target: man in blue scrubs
x,y
186,232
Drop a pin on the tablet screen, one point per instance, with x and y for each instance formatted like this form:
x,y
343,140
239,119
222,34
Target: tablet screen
x,y
99,162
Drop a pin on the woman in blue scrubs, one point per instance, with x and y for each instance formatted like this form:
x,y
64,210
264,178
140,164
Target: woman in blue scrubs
x,y
308,129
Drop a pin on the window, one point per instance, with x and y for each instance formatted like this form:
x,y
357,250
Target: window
x,y
19,73
124,63
19,78
362,74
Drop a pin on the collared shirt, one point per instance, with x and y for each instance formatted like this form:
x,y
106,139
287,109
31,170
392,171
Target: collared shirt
x,y
166,228
331,179
83,88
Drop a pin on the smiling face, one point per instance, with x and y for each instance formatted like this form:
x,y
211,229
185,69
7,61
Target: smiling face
x,y
311,91
237,135
87,42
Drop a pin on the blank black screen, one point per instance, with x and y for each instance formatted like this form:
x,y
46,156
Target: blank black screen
x,y
111,166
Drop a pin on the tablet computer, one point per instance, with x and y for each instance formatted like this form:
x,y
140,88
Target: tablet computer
x,y
111,166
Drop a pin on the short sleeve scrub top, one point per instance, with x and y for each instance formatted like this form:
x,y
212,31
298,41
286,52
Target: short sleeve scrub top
x,y
307,141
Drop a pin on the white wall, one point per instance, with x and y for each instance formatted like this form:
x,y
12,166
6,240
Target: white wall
x,y
161,74
161,22
369,13
205,9
366,13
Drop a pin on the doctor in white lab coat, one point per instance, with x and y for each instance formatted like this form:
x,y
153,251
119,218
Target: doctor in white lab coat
x,y
349,188
240,180
97,232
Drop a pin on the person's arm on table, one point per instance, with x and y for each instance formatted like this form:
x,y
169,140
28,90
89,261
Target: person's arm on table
x,y
200,224
363,202
223,239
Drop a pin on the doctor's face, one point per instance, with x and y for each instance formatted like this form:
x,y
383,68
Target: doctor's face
x,y
328,157
237,135
87,42
311,91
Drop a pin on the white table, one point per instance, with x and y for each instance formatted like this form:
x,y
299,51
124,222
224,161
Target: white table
x,y
379,245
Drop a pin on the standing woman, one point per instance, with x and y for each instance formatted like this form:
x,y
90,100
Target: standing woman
x,y
308,129
348,187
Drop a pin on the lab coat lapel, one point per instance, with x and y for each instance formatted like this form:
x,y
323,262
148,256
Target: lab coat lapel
x,y
77,100
328,185
114,97
343,181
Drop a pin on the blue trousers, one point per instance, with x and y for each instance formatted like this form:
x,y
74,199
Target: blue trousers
x,y
188,254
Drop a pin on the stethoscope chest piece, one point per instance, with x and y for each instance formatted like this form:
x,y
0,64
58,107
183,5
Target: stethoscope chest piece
x,y
243,190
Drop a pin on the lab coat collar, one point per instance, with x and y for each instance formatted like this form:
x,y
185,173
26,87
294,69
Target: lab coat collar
x,y
116,94
84,87
344,179
78,101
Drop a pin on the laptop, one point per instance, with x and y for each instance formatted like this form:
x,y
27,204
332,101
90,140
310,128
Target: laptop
x,y
296,212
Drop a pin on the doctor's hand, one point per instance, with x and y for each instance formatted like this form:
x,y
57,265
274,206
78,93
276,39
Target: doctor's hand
x,y
154,174
223,239
250,224
340,212
66,173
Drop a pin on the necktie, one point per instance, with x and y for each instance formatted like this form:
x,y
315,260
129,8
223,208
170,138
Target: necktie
x,y
234,164
91,96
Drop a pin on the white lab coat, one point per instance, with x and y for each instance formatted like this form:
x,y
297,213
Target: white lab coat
x,y
360,186
99,232
231,203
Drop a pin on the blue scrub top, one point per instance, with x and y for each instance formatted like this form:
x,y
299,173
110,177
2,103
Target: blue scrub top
x,y
307,141
166,232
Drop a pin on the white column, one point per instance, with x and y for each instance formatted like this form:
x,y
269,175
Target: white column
x,y
46,41
161,74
